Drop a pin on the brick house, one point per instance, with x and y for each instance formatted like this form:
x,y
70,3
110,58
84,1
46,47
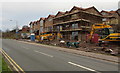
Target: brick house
x,y
25,32
119,16
25,29
31,27
48,23
118,10
42,24
75,24
35,27
112,18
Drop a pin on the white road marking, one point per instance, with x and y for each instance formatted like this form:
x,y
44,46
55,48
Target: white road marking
x,y
43,53
83,67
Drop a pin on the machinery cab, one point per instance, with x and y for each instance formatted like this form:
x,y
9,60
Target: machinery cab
x,y
105,33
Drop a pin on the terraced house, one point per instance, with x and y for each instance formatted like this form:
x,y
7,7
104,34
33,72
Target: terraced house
x,y
112,18
48,27
76,23
35,26
31,27
42,24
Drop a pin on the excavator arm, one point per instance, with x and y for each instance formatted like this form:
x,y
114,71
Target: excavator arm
x,y
107,36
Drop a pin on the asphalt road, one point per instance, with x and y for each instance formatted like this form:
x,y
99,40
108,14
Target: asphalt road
x,y
40,58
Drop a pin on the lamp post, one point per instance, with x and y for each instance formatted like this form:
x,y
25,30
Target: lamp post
x,y
16,29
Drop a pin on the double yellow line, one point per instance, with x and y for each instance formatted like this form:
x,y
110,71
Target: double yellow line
x,y
12,62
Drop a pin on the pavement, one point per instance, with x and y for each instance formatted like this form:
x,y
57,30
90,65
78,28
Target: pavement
x,y
38,57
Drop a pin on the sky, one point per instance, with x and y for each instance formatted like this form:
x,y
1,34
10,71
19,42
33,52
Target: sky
x,y
25,11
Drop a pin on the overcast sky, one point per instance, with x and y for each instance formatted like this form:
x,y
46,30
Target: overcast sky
x,y
23,11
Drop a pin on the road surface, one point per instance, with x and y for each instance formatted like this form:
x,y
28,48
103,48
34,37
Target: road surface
x,y
40,58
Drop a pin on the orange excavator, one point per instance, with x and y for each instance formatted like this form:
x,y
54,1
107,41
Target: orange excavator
x,y
47,36
105,33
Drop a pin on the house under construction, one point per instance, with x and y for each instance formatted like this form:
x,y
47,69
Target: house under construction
x,y
76,23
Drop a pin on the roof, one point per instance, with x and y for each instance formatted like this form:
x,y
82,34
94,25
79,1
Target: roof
x,y
42,18
84,9
35,21
66,12
50,16
78,8
111,12
91,8
118,11
30,23
104,11
59,12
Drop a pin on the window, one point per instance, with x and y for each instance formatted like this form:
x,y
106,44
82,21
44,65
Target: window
x,y
50,20
75,10
31,26
41,29
45,29
111,30
103,13
41,23
75,35
104,19
49,28
67,26
74,16
60,27
31,31
57,28
75,25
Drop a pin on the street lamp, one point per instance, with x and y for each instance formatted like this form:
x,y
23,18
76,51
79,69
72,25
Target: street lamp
x,y
16,27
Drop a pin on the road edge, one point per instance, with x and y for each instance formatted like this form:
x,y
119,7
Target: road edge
x,y
12,64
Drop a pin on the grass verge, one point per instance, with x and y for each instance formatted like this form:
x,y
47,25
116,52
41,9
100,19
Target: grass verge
x,y
4,66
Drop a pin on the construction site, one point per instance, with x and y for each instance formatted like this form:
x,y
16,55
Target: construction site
x,y
84,29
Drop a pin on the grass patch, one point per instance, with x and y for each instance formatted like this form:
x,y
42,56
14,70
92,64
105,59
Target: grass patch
x,y
0,63
4,66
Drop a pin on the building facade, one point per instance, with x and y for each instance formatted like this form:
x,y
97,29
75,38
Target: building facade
x,y
31,27
112,18
25,29
42,25
48,27
76,23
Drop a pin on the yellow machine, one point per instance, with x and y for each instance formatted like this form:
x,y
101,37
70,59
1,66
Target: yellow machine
x,y
105,32
37,37
47,36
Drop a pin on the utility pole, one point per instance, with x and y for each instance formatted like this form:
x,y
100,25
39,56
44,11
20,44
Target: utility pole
x,y
16,28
